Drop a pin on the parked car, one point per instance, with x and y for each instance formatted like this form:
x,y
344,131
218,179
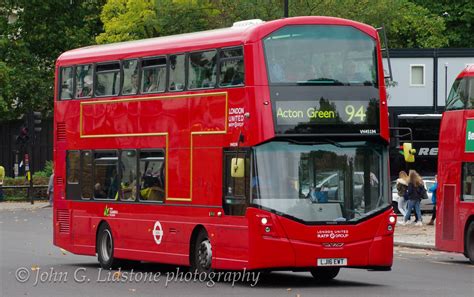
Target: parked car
x,y
426,205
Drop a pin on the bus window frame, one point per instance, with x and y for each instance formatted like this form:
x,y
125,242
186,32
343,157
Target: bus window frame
x,y
168,71
60,83
81,152
70,192
139,64
120,174
116,151
139,176
246,154
93,81
96,80
219,59
141,68
267,69
216,50
463,176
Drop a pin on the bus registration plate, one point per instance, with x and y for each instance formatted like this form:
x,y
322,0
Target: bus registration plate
x,y
332,262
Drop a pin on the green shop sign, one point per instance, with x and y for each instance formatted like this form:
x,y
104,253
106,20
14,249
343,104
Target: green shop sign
x,y
469,136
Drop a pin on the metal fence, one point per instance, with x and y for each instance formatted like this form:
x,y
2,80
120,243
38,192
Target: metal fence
x,y
42,149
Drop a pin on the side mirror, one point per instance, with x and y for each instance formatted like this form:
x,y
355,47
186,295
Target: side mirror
x,y
237,167
408,152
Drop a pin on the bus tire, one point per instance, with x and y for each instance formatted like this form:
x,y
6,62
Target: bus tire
x,y
201,259
325,273
469,242
105,248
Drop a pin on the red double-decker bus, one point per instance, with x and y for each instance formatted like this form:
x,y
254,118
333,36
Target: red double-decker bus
x,y
455,202
260,146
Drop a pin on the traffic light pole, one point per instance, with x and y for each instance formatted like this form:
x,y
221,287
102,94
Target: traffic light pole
x,y
33,124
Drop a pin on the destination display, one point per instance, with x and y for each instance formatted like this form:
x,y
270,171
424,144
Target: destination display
x,y
323,112
335,113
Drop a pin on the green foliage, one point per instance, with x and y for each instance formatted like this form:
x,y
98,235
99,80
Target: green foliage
x,y
46,172
459,18
181,16
128,20
408,25
21,194
37,33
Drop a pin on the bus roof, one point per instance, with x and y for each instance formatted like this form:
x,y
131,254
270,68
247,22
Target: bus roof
x,y
224,37
468,71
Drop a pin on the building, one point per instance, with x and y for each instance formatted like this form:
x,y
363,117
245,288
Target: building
x,y
423,79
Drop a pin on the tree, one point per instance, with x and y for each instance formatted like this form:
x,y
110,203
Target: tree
x,y
408,25
128,20
459,19
33,33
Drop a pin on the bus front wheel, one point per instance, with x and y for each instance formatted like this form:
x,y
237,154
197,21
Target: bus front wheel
x,y
325,273
470,242
105,248
202,255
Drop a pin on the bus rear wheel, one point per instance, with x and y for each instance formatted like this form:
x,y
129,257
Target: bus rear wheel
x,y
202,255
325,273
470,242
105,248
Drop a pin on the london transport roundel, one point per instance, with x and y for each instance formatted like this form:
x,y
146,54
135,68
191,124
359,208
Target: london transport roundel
x,y
158,232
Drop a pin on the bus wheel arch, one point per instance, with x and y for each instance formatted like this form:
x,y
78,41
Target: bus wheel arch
x,y
200,250
469,239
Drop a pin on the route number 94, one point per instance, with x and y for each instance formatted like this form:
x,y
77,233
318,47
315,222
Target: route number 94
x,y
353,112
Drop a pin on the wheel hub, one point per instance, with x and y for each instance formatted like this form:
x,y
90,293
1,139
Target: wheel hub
x,y
205,254
106,245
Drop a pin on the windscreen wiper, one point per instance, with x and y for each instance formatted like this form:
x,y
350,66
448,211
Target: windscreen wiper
x,y
320,81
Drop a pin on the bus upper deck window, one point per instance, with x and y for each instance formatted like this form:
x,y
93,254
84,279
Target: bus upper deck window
x,y
130,77
202,70
177,73
67,87
154,75
107,79
231,67
83,81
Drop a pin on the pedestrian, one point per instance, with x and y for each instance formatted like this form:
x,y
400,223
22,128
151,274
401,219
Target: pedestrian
x,y
402,187
2,177
433,189
50,191
416,191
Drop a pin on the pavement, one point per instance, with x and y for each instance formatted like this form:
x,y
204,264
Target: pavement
x,y
13,206
415,236
405,235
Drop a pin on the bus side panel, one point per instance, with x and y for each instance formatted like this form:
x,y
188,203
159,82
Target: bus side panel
x,y
451,215
448,234
231,243
207,176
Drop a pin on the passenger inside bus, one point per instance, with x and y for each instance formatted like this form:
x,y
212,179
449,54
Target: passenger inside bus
x,y
151,82
152,184
114,184
132,88
99,191
86,90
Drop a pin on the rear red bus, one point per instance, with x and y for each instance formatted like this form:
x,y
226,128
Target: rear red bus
x,y
260,146
455,202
